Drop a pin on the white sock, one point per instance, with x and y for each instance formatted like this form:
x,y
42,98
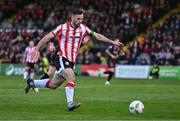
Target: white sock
x,y
41,83
25,74
69,90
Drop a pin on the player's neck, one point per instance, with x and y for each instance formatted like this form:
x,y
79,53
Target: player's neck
x,y
73,25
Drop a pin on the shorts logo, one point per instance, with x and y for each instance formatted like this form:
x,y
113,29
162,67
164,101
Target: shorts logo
x,y
67,63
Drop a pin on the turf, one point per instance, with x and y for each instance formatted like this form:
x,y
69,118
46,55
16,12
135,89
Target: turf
x,y
99,102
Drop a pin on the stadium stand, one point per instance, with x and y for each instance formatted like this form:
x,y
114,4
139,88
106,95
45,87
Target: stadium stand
x,y
160,44
23,20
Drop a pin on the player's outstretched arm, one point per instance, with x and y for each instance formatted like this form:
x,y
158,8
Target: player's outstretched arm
x,y
44,40
102,38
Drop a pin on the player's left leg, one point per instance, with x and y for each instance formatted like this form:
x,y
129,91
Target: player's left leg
x,y
26,72
69,75
32,73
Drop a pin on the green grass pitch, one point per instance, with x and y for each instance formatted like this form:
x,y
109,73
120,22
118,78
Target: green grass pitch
x,y
98,102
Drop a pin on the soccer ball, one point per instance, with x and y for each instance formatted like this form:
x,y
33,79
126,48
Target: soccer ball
x,y
136,107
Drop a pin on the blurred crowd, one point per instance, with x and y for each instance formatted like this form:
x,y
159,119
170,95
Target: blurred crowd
x,y
24,20
160,44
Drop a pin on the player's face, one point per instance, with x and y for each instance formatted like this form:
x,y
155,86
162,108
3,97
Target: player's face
x,y
31,43
77,19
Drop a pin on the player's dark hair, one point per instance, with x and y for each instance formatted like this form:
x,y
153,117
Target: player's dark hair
x,y
77,11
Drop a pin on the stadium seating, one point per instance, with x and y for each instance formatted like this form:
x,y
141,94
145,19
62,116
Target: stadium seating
x,y
30,20
160,43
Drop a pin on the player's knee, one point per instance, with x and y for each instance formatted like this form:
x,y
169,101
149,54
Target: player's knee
x,y
69,75
71,78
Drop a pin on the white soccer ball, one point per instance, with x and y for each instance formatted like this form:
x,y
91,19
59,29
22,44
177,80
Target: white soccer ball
x,y
136,107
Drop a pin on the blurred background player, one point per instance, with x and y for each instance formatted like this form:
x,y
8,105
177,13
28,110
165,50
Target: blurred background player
x,y
154,72
54,60
29,70
113,53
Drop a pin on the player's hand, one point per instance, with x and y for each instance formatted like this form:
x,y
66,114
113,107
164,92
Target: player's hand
x,y
35,55
113,57
51,47
118,43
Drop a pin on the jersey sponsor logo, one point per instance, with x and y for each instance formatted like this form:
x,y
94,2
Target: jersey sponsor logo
x,y
74,37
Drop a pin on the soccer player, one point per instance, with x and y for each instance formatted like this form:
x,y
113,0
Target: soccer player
x,y
113,52
154,72
70,37
54,58
28,61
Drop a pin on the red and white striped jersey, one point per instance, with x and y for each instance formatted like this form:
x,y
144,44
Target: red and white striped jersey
x,y
28,54
70,38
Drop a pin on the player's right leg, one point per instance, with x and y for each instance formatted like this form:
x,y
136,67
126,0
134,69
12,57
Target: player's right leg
x,y
56,81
